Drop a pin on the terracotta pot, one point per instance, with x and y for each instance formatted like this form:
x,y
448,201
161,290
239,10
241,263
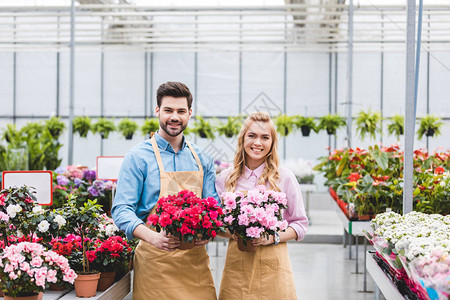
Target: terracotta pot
x,y
106,280
186,245
246,248
86,285
364,217
34,297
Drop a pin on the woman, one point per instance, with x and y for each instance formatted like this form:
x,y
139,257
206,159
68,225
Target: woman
x,y
266,273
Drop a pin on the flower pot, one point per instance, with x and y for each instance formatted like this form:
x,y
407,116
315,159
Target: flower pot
x,y
129,136
364,217
186,245
229,135
331,131
86,285
202,134
429,132
305,130
246,247
106,280
34,297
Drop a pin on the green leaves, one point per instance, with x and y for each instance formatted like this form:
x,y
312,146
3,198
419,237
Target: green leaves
x,y
381,158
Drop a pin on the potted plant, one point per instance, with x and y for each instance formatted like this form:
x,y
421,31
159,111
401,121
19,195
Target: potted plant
x,y
230,128
203,128
305,124
149,126
111,255
82,125
55,126
104,127
396,126
28,267
430,126
331,122
284,124
127,127
368,123
15,204
83,221
11,135
188,217
245,214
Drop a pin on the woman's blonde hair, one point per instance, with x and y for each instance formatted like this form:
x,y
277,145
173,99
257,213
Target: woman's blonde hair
x,y
271,173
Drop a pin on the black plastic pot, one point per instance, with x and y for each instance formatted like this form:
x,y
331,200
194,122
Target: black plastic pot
x,y
305,130
331,131
202,134
129,136
429,132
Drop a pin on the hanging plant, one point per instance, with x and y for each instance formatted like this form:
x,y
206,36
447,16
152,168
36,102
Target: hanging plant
x,y
368,123
305,124
127,127
430,126
396,126
104,127
82,125
203,128
331,123
285,124
55,126
231,127
149,126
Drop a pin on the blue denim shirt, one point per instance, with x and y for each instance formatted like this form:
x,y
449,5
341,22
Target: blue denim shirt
x,y
138,185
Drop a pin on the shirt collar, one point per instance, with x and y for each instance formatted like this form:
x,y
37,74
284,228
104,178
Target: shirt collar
x,y
165,145
257,172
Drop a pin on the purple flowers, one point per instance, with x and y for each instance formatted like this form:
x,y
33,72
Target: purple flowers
x,y
62,180
93,191
89,174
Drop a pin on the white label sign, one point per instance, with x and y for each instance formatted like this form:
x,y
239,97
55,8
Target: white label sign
x,y
108,167
41,181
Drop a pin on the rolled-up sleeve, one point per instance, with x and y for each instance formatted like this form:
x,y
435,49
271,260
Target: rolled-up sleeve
x,y
295,213
209,179
129,190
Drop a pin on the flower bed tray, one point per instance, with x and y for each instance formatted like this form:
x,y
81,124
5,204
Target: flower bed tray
x,y
383,282
117,291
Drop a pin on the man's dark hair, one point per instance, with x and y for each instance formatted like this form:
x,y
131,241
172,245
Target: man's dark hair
x,y
174,89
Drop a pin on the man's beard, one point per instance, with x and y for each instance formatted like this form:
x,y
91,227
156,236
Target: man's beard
x,y
172,132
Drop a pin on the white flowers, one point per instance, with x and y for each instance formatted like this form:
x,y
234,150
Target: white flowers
x,y
43,226
422,240
12,210
60,220
110,229
38,210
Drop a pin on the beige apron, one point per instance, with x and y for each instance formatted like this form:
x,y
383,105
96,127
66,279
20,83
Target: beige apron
x,y
181,274
262,275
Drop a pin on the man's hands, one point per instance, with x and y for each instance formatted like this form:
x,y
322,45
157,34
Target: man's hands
x,y
165,242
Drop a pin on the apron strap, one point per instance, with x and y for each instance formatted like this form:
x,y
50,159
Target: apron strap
x,y
159,160
199,163
157,154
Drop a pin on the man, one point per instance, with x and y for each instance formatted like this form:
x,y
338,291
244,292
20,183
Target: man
x,y
161,166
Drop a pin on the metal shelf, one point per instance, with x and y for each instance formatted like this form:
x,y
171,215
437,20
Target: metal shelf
x,y
386,286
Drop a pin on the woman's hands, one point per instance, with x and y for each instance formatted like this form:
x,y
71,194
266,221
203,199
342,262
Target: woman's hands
x,y
263,241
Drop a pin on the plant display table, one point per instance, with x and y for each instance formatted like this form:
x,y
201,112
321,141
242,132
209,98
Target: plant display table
x,y
353,228
382,282
308,189
117,291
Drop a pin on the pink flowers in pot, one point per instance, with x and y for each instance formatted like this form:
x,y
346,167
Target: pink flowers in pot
x,y
27,267
259,213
